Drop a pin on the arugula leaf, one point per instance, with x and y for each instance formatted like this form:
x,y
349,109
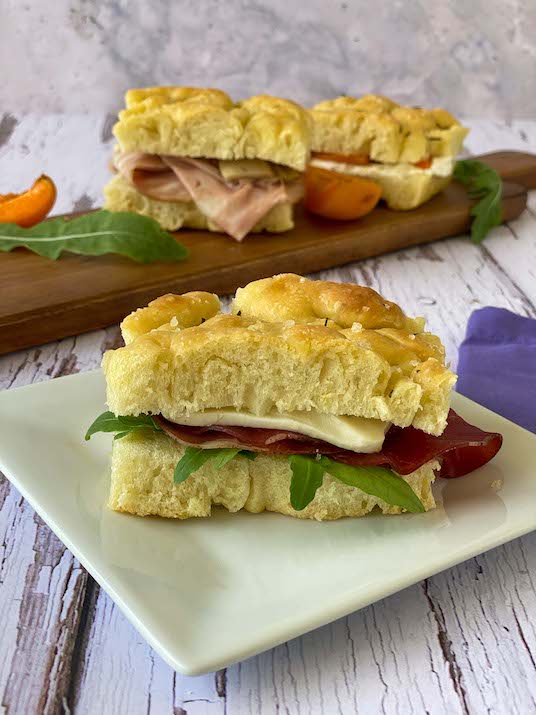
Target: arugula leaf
x,y
485,184
307,476
224,455
108,422
120,435
194,458
94,234
376,481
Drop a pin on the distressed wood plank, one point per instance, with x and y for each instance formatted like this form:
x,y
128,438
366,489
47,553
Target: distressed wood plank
x,y
137,680
42,585
486,609
515,258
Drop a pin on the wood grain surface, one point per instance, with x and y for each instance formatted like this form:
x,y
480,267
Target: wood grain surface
x,y
44,300
461,642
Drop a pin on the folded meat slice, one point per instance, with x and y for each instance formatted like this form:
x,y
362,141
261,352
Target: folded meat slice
x,y
461,448
234,206
151,176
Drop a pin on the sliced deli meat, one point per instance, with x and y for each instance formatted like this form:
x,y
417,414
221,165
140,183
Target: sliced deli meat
x,y
461,448
235,206
150,176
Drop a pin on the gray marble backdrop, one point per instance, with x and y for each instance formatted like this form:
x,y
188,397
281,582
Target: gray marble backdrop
x,y
476,57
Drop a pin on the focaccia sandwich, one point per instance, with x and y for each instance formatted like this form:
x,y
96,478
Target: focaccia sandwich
x,y
313,399
409,151
192,158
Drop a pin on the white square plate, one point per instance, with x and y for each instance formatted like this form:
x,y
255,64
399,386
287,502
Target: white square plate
x,y
209,592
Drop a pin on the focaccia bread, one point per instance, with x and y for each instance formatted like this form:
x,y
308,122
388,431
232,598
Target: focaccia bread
x,y
142,483
387,132
192,122
411,150
346,351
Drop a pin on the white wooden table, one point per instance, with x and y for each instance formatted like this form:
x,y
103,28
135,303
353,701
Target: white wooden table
x,y
461,642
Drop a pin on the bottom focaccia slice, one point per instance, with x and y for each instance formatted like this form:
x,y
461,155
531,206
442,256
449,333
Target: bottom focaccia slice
x,y
143,464
119,195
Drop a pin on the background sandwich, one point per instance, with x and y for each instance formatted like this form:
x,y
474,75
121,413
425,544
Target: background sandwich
x,y
314,399
192,158
409,152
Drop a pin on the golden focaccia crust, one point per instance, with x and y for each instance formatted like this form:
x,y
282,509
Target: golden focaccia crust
x,y
143,463
180,311
291,297
206,123
185,95
119,195
335,348
387,132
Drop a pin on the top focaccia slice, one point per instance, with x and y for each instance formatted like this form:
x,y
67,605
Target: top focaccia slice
x,y
384,130
346,351
206,123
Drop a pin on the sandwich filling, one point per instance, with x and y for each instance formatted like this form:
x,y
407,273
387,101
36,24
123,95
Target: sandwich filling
x,y
441,166
461,448
234,195
358,434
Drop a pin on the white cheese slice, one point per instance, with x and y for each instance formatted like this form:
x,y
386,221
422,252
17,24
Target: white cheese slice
x,y
441,166
358,434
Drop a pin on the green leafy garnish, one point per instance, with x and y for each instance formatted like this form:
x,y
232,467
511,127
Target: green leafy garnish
x,y
485,184
94,234
195,457
307,476
223,456
108,422
377,482
192,460
248,455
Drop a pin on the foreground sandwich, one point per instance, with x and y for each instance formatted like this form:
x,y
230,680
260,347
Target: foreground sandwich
x,y
193,158
314,399
409,152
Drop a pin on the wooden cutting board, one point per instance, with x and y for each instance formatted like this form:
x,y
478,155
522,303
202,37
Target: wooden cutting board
x,y
43,300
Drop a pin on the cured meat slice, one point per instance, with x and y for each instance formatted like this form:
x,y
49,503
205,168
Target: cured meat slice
x,y
461,448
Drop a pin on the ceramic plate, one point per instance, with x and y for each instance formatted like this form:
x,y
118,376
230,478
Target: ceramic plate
x,y
208,592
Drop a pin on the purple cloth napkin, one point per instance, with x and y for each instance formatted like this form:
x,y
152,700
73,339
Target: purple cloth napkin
x,y
497,364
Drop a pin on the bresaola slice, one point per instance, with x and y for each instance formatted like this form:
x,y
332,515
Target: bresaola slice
x,y
461,448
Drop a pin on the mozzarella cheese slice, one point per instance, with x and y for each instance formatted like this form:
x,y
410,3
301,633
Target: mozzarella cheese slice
x,y
441,166
358,434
